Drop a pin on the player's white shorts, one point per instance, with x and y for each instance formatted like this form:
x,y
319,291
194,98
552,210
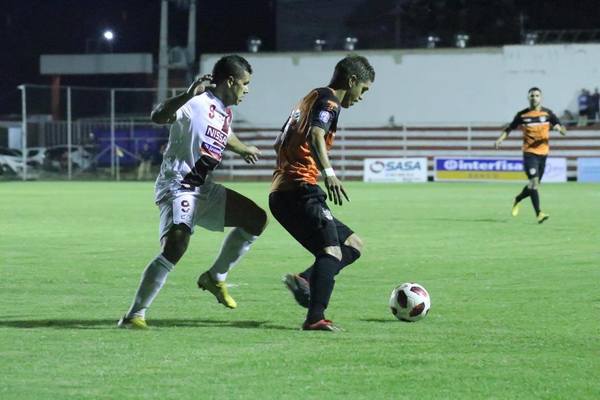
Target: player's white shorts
x,y
206,209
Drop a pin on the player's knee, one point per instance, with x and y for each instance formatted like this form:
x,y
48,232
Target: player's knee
x,y
355,242
257,222
349,255
262,221
176,242
334,251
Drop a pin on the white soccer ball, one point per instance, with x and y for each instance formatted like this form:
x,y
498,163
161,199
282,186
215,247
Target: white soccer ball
x,y
410,302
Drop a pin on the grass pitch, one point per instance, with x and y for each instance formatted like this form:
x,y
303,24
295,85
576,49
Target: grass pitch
x,y
515,305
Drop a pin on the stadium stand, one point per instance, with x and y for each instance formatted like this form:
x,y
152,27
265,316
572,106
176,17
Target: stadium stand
x,y
355,144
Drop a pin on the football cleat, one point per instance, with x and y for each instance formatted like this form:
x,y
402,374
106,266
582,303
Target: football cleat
x,y
515,209
218,289
132,323
542,217
321,325
299,288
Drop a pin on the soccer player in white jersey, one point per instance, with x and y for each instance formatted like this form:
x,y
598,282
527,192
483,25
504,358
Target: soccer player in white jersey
x,y
185,192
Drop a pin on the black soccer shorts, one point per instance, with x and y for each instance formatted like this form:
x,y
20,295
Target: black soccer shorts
x,y
304,214
534,165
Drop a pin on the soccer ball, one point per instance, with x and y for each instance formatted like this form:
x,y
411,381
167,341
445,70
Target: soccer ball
x,y
410,302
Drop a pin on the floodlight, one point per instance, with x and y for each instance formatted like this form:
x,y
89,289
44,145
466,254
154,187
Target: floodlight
x,y
350,43
108,35
461,40
531,38
432,41
319,44
253,44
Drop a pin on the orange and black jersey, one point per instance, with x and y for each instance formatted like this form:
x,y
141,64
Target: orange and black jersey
x,y
295,162
536,125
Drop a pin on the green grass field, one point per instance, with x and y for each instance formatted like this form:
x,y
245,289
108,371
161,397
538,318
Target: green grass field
x,y
515,305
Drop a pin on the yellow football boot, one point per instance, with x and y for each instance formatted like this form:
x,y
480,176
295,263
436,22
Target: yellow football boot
x,y
515,209
542,217
132,323
218,289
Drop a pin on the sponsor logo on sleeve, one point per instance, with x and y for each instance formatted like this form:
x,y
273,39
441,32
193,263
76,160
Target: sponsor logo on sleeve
x,y
327,214
324,116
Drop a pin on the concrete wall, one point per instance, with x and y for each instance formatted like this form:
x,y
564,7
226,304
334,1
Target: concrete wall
x,y
439,86
108,63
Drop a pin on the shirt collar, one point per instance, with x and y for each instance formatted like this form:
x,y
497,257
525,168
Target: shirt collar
x,y
217,100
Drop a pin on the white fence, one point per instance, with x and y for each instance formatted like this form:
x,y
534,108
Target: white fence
x,y
353,145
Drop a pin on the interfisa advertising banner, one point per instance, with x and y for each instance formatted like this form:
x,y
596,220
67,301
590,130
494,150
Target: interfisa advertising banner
x,y
494,169
395,170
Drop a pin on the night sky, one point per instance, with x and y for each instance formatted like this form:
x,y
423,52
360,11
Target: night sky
x,y
29,28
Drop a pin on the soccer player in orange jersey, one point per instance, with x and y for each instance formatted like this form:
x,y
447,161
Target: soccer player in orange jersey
x,y
299,204
535,122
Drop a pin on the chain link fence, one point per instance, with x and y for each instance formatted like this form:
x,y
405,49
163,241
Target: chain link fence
x,y
82,133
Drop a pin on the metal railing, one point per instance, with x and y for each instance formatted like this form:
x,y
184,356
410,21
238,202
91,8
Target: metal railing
x,y
563,36
92,133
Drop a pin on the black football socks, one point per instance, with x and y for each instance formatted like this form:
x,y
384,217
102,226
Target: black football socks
x,y
535,200
526,192
321,286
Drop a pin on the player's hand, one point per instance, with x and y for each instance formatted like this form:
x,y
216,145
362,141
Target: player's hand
x,y
335,190
200,85
250,154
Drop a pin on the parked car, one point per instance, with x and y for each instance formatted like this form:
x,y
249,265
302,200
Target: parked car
x,y
11,163
57,157
36,156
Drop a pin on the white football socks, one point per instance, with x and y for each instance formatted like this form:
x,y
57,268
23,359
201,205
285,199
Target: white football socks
x,y
236,244
153,279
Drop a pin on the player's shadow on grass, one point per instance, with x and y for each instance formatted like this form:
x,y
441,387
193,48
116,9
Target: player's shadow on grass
x,y
380,320
162,323
497,220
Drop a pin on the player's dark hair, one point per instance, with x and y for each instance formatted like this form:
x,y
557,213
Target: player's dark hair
x,y
533,89
232,65
353,65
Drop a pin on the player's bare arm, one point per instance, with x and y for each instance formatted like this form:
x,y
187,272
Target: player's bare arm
x,y
500,139
561,129
164,113
250,154
318,148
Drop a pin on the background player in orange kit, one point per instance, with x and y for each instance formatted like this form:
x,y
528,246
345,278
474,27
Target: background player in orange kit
x,y
535,122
